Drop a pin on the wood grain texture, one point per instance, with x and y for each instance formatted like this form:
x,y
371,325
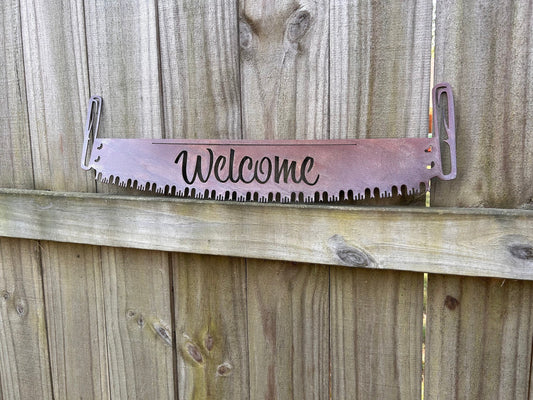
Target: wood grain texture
x,y
379,68
376,325
200,69
288,329
379,87
211,331
124,68
24,360
123,62
484,51
479,338
75,320
284,69
453,241
57,88
200,75
15,151
138,319
284,82
482,348
122,45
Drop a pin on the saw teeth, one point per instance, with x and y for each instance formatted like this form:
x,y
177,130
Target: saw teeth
x,y
295,197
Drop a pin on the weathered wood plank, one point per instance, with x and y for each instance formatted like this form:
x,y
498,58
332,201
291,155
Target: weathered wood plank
x,y
484,51
479,242
123,62
284,83
200,75
57,92
479,338
288,309
284,69
24,359
122,45
15,150
379,68
482,348
211,331
138,319
377,314
200,69
75,319
379,87
124,68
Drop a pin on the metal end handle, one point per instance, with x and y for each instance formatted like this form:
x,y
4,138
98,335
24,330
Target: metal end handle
x,y
447,118
91,129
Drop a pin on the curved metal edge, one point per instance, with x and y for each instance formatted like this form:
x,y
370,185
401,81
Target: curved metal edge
x,y
449,125
91,129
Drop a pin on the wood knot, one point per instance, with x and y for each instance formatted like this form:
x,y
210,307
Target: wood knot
x,y
522,251
245,35
195,353
224,369
20,307
298,25
209,342
451,302
4,294
163,332
350,255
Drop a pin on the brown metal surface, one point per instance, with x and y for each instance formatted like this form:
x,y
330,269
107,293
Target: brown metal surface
x,y
284,170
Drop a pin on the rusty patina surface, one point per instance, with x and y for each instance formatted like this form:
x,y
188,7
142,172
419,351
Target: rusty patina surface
x,y
280,170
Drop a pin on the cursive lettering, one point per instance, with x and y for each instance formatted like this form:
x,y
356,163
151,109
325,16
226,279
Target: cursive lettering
x,y
246,170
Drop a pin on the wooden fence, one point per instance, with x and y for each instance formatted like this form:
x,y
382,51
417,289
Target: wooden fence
x,y
108,293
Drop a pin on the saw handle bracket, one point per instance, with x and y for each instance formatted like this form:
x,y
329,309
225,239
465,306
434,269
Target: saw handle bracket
x,y
444,116
91,129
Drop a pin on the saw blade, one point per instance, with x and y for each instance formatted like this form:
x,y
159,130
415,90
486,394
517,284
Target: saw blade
x,y
268,170
272,171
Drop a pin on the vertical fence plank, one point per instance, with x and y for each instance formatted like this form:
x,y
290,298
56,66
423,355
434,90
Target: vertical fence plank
x,y
122,41
24,359
288,330
479,338
479,330
376,330
380,56
210,300
200,74
200,70
284,69
124,67
284,91
75,319
138,319
379,88
484,51
15,151
57,89
56,80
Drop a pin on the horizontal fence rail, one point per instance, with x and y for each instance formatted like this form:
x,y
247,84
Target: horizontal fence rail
x,y
474,242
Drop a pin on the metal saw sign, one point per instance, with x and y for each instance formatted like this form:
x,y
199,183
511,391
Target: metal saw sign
x,y
279,170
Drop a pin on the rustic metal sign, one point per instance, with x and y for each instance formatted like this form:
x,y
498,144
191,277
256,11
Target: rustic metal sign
x,y
280,170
